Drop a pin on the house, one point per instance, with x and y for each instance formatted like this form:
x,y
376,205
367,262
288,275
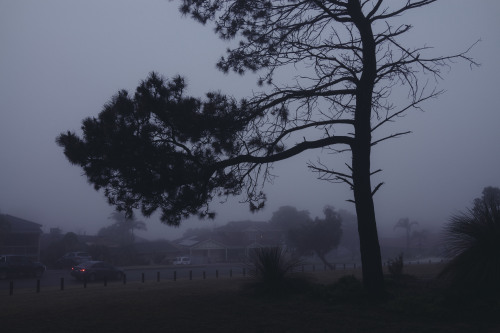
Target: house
x,y
156,252
19,236
231,242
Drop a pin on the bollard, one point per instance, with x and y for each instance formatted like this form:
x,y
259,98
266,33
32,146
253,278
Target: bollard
x,y
157,276
62,283
11,288
38,285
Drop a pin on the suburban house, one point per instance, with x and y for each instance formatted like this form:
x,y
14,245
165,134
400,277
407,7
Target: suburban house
x,y
231,242
156,252
19,236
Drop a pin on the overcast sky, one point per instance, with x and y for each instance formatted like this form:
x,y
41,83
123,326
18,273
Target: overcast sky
x,y
61,60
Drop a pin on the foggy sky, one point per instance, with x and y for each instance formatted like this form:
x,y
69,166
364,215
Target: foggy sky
x,y
61,60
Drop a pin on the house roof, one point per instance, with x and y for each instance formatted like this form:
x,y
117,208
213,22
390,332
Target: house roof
x,y
18,225
234,235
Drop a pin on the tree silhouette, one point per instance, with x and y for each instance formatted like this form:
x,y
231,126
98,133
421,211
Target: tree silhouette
x,y
319,236
122,230
161,150
406,224
288,217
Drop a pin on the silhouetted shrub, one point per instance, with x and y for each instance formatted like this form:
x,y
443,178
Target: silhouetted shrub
x,y
395,267
473,246
272,270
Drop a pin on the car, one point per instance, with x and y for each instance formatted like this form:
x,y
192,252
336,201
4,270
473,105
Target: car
x,y
71,259
182,261
20,266
96,270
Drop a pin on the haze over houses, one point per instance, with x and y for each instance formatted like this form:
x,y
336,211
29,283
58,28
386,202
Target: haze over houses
x,y
232,242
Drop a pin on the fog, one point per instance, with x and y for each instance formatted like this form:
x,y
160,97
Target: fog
x,y
60,61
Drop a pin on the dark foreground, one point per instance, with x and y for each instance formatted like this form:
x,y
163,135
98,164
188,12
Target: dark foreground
x,y
224,305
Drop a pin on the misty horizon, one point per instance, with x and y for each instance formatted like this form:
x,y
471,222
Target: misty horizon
x,y
57,68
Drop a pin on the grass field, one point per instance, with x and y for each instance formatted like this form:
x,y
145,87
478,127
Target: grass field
x,y
224,305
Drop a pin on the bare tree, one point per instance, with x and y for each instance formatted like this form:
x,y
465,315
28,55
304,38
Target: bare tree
x,y
349,56
406,224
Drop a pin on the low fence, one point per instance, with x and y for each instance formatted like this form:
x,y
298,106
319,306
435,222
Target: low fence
x,y
187,274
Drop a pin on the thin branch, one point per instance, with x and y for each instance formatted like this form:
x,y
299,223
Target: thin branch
x,y
392,136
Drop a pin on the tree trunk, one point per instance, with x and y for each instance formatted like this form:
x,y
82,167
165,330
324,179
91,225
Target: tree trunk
x,y
323,259
373,278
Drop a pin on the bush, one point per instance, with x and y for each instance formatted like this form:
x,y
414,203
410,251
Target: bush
x,y
472,244
272,272
395,267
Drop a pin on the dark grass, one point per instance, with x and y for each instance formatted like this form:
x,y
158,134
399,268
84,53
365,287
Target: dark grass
x,y
413,303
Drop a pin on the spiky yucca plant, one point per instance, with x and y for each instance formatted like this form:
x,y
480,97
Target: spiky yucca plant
x,y
473,246
272,271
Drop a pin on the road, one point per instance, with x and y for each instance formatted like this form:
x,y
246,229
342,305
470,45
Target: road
x,y
56,277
